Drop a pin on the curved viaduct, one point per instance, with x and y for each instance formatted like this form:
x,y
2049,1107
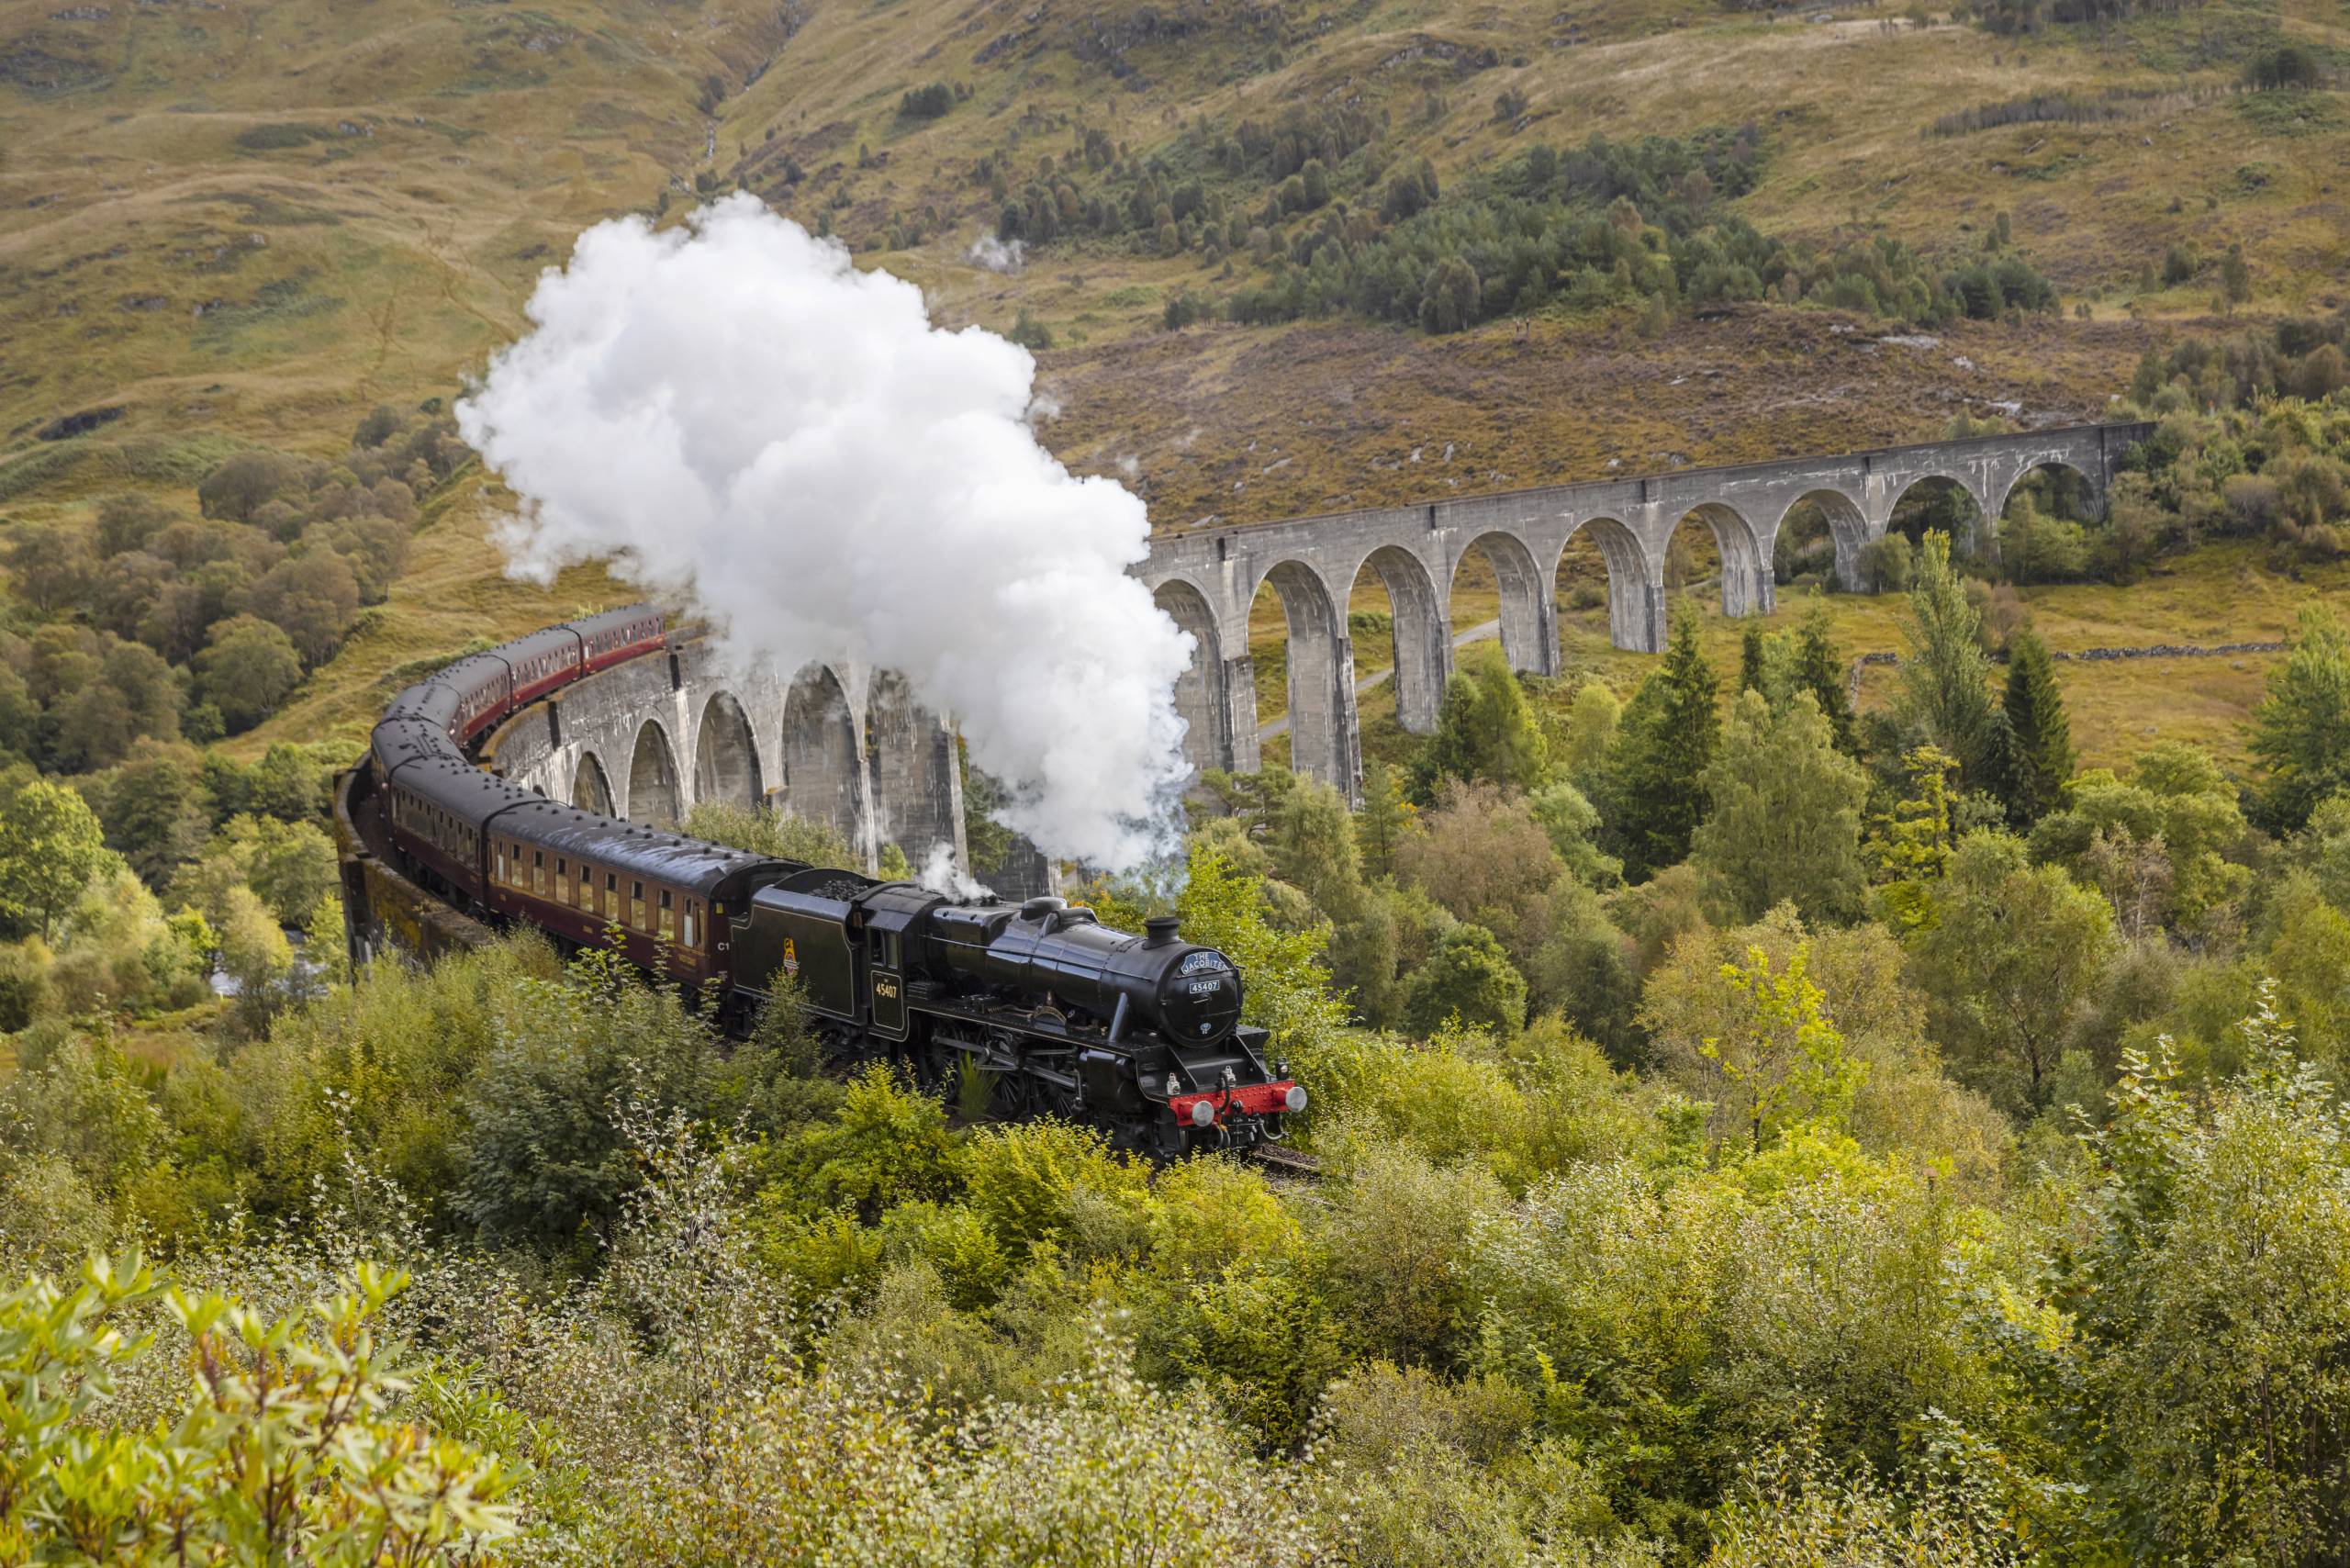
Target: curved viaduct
x,y
1208,580
651,739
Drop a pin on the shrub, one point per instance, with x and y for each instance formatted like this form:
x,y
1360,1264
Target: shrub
x,y
927,102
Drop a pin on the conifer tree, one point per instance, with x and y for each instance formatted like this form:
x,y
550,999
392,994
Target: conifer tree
x,y
2036,758
2301,729
1385,815
1945,679
1750,659
1913,844
1819,669
1656,794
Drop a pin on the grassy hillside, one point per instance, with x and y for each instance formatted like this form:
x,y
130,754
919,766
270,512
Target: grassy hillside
x,y
243,224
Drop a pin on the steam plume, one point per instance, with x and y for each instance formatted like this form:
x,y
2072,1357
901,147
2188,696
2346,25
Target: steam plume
x,y
732,414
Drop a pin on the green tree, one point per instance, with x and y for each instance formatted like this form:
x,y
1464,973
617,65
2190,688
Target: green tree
x,y
50,846
1945,690
1591,720
2006,952
1484,730
246,669
1385,819
1223,906
156,811
1470,979
2301,730
2176,803
1785,824
313,598
1780,1062
1821,670
2035,758
1913,844
1655,794
1752,654
2235,278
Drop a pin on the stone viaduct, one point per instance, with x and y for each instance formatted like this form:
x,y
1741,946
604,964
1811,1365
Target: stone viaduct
x,y
1208,578
651,739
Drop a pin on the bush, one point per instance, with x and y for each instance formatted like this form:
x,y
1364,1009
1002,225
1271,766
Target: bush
x,y
927,102
2285,63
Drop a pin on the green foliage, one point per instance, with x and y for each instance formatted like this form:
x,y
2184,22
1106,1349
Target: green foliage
x,y
50,846
285,1442
1385,819
2157,845
2035,758
927,102
1654,795
1262,1343
2301,729
2203,1289
1786,824
1468,980
1820,670
1945,692
1914,841
543,1157
247,669
1021,1180
762,831
1591,727
2004,953
1485,731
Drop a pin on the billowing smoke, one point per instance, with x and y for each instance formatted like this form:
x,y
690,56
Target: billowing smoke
x,y
997,256
731,414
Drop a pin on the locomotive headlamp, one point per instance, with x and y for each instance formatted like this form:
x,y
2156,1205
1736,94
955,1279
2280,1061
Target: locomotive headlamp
x,y
1201,1112
1297,1098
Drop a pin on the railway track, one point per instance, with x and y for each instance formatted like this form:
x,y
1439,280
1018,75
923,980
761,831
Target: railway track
x,y
1285,1163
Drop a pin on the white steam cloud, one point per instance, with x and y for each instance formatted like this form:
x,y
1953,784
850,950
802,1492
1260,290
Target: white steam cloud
x,y
997,256
732,414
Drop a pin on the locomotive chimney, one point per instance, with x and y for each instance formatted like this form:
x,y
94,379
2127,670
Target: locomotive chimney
x,y
1159,930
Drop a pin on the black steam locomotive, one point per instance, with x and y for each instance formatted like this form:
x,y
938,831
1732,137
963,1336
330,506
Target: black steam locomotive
x,y
1137,1034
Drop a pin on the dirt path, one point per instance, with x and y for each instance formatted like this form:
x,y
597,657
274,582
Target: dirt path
x,y
1373,681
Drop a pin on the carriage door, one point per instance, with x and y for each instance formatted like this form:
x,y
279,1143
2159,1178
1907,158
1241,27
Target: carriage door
x,y
884,967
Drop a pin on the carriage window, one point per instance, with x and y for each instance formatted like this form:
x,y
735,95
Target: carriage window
x,y
693,923
538,872
636,905
585,891
666,918
497,862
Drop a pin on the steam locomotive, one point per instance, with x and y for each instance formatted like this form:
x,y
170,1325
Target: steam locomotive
x,y
1058,1014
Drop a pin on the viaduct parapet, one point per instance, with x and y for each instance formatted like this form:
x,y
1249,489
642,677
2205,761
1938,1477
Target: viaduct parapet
x,y
1208,578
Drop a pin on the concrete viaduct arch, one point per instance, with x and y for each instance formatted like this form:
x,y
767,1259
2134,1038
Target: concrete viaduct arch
x,y
842,744
1208,578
